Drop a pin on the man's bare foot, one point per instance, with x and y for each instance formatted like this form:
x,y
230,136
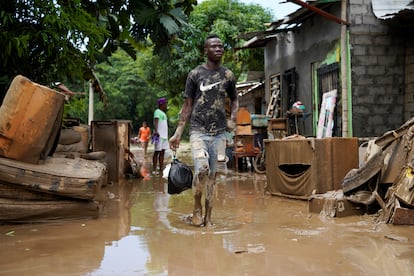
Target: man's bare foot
x,y
197,218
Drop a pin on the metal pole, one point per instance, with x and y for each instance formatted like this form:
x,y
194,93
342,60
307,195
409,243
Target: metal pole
x,y
90,114
344,70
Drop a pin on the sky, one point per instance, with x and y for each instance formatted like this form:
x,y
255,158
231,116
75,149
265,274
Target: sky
x,y
279,8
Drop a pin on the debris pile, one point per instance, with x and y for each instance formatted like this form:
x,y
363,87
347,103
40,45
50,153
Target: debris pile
x,y
35,184
385,178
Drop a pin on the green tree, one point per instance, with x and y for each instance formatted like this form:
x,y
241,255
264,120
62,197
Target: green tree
x,y
42,39
228,19
129,96
60,40
133,87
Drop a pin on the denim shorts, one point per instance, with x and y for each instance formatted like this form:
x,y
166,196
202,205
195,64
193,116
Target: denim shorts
x,y
205,151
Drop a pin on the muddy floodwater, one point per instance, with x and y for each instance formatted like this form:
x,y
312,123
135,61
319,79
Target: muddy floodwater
x,y
141,231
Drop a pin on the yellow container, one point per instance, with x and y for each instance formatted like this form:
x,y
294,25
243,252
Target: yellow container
x,y
30,121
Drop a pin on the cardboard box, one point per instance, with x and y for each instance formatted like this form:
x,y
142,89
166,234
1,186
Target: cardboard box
x,y
302,167
334,206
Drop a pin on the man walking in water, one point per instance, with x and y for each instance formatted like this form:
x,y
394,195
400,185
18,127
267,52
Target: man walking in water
x,y
205,94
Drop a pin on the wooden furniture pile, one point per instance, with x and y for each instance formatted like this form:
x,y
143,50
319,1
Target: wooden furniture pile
x,y
244,138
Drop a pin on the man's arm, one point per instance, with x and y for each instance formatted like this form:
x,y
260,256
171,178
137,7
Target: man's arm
x,y
156,126
234,106
184,116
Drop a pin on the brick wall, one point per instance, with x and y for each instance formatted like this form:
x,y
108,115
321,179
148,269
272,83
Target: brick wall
x,y
377,58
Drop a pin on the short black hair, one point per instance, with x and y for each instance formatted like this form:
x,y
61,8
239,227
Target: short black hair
x,y
210,36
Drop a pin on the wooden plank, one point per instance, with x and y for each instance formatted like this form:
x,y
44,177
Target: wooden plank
x,y
78,178
17,192
12,210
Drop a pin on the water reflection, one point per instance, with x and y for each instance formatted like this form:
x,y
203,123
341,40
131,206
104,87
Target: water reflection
x,y
116,262
142,231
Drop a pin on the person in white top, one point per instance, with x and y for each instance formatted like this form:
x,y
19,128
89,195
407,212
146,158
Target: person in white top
x,y
160,135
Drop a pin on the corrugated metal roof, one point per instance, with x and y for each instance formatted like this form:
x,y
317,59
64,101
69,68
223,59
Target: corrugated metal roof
x,y
291,21
399,14
246,87
296,18
386,9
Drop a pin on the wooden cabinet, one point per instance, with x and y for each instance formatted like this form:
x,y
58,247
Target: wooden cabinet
x,y
113,138
244,138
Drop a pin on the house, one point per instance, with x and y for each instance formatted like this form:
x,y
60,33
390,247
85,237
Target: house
x,y
364,51
251,93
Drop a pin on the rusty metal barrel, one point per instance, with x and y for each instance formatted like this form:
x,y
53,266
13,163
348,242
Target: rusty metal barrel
x,y
30,120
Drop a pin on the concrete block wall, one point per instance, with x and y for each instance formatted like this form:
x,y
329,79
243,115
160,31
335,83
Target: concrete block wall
x,y
409,81
377,62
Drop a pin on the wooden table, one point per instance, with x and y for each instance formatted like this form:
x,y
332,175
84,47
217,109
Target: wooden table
x,y
241,154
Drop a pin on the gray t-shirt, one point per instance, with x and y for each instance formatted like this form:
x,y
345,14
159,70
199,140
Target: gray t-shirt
x,y
208,89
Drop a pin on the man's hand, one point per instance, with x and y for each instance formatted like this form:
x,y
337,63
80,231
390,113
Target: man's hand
x,y
184,115
231,124
176,138
174,142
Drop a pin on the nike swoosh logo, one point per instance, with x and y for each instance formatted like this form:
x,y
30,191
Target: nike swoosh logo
x,y
208,87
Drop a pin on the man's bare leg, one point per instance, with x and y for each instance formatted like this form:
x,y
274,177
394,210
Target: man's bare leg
x,y
201,158
154,160
210,192
197,218
161,160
